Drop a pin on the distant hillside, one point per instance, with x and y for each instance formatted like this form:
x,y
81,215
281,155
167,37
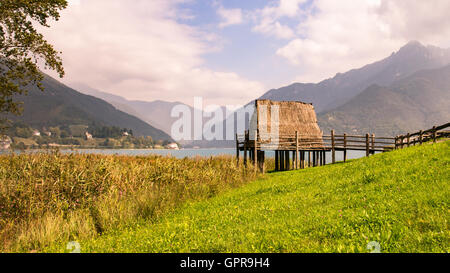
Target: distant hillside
x,y
332,93
416,102
157,113
60,105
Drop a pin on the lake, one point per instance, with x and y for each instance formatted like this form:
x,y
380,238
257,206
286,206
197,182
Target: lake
x,y
198,152
189,153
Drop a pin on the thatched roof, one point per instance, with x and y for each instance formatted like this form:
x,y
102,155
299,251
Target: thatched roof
x,y
293,117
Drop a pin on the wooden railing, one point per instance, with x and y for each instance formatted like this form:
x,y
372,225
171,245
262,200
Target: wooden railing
x,y
422,136
368,143
299,145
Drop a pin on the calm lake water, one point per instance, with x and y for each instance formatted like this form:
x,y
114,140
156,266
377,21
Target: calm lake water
x,y
190,153
200,152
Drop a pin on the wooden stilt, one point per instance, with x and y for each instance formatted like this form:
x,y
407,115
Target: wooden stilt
x,y
255,151
333,147
288,161
277,161
345,147
245,148
303,159
237,150
296,151
309,159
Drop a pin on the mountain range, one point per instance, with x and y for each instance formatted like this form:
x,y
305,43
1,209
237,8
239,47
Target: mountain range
x,y
61,105
405,92
332,93
416,102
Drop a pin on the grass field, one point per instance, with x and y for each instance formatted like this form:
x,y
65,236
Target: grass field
x,y
398,199
50,197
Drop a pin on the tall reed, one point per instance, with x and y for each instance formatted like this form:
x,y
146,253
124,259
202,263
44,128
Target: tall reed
x,y
49,197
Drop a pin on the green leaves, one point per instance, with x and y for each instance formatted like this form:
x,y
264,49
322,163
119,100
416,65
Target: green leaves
x,y
22,47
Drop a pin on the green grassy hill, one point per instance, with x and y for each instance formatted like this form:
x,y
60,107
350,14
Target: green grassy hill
x,y
399,199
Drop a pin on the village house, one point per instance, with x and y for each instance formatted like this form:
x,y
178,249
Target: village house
x,y
5,142
88,136
173,146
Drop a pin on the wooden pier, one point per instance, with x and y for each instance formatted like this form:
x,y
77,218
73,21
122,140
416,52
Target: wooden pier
x,y
303,151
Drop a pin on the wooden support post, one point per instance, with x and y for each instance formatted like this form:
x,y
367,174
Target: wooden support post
x,y
237,150
421,137
434,134
263,153
277,161
367,145
245,148
324,158
302,154
309,159
288,161
282,165
303,159
345,147
261,159
314,159
408,138
296,151
255,151
333,148
320,158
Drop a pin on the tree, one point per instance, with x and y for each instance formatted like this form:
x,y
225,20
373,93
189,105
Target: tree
x,y
22,46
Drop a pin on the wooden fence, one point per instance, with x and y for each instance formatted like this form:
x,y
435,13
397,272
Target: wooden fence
x,y
309,151
422,136
368,143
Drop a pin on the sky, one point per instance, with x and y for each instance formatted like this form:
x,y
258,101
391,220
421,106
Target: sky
x,y
232,51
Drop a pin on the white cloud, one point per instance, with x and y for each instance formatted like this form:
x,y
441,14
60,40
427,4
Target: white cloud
x,y
229,16
268,18
345,34
140,51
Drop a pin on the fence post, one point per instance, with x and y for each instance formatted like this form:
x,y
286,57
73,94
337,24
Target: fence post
x,y
367,145
255,151
296,151
434,134
421,137
345,147
333,148
408,138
